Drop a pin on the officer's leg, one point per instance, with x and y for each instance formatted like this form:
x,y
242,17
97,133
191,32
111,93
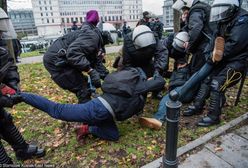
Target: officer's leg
x,y
227,76
11,134
74,81
200,99
4,158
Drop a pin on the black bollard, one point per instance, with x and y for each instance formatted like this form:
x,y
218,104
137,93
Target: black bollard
x,y
173,113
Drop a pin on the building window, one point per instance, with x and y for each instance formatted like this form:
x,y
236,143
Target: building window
x,y
81,20
42,21
46,14
71,20
109,18
51,8
45,8
67,20
41,8
52,20
44,2
63,20
40,2
50,2
51,13
41,14
47,20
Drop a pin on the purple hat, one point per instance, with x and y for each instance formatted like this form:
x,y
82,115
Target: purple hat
x,y
92,17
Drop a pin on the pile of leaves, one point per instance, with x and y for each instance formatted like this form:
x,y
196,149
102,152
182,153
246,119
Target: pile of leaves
x,y
136,147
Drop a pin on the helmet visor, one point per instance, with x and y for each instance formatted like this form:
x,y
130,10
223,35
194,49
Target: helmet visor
x,y
7,28
219,12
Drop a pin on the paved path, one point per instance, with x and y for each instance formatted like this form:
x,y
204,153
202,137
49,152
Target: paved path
x,y
38,59
230,150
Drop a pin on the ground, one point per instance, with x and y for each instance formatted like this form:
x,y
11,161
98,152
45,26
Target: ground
x,y
136,147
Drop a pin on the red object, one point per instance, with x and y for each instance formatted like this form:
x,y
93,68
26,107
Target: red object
x,y
81,131
7,90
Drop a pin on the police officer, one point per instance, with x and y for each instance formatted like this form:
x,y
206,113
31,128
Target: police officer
x,y
232,23
158,28
77,52
198,29
9,80
140,49
145,20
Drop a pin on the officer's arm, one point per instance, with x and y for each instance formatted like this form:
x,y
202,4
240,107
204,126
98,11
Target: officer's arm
x,y
195,26
12,78
237,42
85,45
161,60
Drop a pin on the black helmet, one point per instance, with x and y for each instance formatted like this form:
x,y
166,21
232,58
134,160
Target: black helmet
x,y
106,37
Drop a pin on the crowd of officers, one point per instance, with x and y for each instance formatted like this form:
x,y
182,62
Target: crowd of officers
x,y
75,62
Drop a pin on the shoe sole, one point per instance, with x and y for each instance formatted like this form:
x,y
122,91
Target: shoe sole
x,y
32,157
144,122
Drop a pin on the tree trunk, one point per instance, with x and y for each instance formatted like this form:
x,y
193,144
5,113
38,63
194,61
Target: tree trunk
x,y
176,19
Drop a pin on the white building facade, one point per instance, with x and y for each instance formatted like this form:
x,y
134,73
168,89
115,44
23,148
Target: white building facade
x,y
168,11
54,16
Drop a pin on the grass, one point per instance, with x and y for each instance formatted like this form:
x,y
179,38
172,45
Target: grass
x,y
136,147
31,54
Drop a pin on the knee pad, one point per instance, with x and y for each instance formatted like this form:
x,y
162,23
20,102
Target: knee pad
x,y
215,85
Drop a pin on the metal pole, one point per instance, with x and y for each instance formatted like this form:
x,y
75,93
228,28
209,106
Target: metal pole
x,y
172,117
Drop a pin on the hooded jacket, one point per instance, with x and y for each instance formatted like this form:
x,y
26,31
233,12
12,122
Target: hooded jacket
x,y
124,91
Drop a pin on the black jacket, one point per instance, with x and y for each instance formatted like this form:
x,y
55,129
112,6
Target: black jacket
x,y
197,26
142,57
124,91
236,42
8,71
82,47
200,34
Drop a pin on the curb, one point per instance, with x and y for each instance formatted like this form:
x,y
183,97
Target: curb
x,y
202,140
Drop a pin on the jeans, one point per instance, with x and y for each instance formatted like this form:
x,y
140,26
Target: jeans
x,y
93,113
162,109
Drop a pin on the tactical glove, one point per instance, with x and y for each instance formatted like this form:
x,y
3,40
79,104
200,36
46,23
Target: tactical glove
x,y
95,78
156,74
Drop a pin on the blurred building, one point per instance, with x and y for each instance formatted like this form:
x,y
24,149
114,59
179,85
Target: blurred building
x,y
23,21
53,17
168,11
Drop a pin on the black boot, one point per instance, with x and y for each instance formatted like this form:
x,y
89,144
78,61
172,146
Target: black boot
x,y
214,111
199,102
83,96
11,134
4,158
31,151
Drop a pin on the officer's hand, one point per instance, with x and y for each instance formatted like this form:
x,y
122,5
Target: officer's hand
x,y
10,101
6,101
6,90
156,74
95,78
